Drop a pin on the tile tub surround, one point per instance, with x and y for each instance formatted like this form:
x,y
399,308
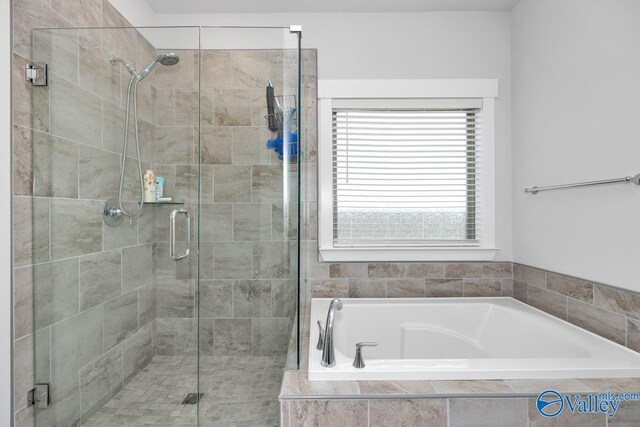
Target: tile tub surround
x,y
607,311
440,403
468,403
398,280
604,310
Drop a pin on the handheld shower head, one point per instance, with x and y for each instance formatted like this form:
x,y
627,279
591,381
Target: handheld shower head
x,y
169,59
166,59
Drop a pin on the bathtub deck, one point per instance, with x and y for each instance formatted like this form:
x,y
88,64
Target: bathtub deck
x,y
295,385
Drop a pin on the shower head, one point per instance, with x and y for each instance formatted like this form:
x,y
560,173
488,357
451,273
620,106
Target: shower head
x,y
167,59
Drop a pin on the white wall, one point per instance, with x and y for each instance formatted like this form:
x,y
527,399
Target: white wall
x,y
137,12
6,342
399,45
576,87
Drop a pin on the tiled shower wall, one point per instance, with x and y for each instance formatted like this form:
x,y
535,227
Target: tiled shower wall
x,y
175,331
247,280
99,290
82,291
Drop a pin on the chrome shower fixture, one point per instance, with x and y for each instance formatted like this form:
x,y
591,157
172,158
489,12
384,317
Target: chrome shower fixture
x,y
114,60
113,211
166,59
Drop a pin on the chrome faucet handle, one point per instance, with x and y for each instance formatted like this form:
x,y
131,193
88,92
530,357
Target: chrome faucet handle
x,y
320,344
358,362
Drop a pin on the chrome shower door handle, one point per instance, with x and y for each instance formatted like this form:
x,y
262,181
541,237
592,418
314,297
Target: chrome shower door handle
x,y
172,234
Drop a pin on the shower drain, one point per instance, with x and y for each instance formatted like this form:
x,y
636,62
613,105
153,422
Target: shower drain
x,y
192,398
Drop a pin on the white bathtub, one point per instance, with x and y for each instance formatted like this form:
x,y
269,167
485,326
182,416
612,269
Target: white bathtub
x,y
462,339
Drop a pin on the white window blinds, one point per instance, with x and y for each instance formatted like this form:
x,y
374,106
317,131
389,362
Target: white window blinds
x,y
406,176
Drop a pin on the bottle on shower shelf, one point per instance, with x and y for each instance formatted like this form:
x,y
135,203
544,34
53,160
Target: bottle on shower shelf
x,y
159,187
149,187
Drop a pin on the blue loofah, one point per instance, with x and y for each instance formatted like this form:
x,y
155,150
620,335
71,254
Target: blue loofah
x,y
276,144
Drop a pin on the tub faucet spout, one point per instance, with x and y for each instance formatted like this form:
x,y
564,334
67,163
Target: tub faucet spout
x,y
328,352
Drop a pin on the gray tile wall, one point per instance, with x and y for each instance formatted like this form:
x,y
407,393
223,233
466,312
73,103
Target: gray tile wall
x,y
604,310
175,331
247,289
84,306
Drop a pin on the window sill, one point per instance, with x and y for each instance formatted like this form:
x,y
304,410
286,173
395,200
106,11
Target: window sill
x,y
406,254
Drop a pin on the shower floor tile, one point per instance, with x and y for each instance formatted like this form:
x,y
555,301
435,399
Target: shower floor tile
x,y
238,391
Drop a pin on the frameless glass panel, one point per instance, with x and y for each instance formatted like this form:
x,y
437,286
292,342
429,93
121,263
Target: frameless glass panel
x,y
139,291
249,223
115,316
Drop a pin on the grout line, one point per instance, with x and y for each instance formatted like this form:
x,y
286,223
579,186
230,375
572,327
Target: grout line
x,y
50,337
79,287
448,412
122,365
368,412
626,332
80,392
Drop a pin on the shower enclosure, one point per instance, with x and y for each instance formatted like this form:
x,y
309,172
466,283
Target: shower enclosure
x,y
182,313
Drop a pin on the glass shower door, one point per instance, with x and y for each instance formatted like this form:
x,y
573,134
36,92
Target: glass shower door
x,y
249,148
115,319
185,312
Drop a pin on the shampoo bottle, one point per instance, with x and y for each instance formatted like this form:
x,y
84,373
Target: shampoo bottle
x,y
149,186
159,187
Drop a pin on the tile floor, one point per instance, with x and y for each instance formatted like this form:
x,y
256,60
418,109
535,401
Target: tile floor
x,y
238,391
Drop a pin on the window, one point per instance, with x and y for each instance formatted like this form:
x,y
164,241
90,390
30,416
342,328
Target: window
x,y
404,174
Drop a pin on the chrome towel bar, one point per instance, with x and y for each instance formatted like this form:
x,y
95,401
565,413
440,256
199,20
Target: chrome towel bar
x,y
627,179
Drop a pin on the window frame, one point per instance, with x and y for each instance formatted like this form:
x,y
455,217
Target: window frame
x,y
342,92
